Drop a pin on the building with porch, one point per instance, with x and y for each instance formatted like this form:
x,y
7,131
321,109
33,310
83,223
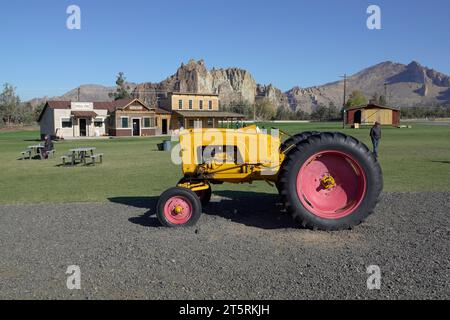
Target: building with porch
x,y
193,110
132,117
125,117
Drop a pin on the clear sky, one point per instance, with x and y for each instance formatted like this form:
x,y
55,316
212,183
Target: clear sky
x,y
286,43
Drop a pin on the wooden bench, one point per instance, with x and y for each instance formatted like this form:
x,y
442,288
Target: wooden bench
x,y
68,158
95,157
26,154
51,153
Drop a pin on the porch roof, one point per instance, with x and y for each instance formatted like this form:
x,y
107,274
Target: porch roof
x,y
209,114
84,114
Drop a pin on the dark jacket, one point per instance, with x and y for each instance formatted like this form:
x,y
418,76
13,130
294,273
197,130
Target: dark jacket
x,y
48,146
375,132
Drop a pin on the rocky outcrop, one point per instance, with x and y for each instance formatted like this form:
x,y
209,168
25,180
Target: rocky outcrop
x,y
407,85
233,85
273,94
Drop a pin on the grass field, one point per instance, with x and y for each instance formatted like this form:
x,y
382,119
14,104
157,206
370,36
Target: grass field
x,y
415,159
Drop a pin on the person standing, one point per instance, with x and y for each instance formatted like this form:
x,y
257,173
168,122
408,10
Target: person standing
x,y
375,135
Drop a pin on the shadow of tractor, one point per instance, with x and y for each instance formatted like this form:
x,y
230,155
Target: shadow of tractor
x,y
260,210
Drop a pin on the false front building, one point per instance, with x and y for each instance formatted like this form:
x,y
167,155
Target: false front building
x,y
125,117
194,110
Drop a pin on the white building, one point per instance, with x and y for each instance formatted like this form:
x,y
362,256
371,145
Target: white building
x,y
72,119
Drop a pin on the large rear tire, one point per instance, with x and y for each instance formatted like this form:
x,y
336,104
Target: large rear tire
x,y
178,207
290,143
296,139
330,181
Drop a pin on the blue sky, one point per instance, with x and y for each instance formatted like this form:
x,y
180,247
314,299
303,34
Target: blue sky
x,y
282,42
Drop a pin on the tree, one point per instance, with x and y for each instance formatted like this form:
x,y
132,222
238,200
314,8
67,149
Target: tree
x,y
122,91
25,114
374,99
378,99
38,110
356,98
301,115
9,103
265,109
333,112
320,113
238,106
284,114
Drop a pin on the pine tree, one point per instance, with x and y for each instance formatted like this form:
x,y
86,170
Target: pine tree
x,y
122,91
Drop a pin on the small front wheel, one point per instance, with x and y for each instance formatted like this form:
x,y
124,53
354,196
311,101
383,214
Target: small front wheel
x,y
178,207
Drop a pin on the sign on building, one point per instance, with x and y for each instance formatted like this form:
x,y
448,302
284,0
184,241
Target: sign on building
x,y
82,106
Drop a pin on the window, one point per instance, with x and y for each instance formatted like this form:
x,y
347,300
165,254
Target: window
x,y
149,122
180,104
190,104
210,122
98,122
124,121
200,104
66,123
191,123
210,105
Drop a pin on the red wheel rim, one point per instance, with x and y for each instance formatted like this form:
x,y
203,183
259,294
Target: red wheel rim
x,y
331,184
178,210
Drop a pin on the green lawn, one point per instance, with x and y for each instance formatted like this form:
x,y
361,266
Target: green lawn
x,y
415,159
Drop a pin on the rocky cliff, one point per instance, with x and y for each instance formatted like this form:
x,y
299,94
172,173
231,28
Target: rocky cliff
x,y
407,85
233,85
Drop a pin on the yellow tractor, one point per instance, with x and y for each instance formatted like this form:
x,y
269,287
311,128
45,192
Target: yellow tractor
x,y
327,181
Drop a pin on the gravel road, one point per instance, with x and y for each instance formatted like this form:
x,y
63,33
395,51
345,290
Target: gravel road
x,y
246,248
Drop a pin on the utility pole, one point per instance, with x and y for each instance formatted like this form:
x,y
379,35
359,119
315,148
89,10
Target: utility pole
x,y
78,94
345,101
385,93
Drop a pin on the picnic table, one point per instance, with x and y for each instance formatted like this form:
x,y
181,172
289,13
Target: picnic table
x,y
36,150
81,154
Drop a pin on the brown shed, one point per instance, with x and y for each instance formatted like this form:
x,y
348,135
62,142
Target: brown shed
x,y
371,113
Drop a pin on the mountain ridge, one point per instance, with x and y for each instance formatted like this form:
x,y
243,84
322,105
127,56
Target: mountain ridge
x,y
407,86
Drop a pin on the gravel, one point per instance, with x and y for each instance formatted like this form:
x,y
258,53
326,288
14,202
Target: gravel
x,y
245,248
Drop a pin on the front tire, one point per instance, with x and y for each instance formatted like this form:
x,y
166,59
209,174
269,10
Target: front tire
x,y
178,207
203,195
330,182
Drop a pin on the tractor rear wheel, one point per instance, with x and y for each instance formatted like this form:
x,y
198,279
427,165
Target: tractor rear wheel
x,y
294,140
178,207
330,182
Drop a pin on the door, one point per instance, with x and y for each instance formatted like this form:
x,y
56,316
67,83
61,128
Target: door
x,y
164,126
357,118
83,128
136,127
